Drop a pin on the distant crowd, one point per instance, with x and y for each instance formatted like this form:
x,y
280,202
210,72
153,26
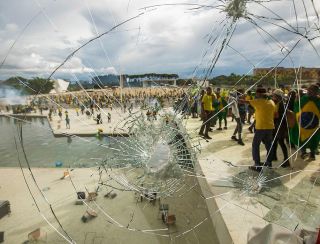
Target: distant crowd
x,y
108,98
90,102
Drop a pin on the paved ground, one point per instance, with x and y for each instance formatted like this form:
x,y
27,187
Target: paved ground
x,y
83,125
119,220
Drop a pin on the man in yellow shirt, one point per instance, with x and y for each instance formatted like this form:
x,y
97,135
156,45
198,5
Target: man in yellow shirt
x,y
207,112
264,115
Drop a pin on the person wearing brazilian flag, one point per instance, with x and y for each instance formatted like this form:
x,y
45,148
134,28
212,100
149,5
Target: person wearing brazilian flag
x,y
306,131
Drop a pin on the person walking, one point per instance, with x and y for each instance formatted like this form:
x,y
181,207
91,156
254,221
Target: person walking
x,y
280,132
264,126
233,99
207,111
306,133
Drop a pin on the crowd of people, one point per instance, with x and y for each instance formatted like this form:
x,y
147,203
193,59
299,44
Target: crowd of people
x,y
276,116
91,102
108,98
281,117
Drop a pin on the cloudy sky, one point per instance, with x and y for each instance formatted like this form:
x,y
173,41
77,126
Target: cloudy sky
x,y
36,36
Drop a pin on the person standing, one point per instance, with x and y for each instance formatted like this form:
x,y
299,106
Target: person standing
x,y
233,99
99,119
306,133
67,121
207,111
222,111
280,133
250,109
82,107
60,114
202,92
264,126
242,106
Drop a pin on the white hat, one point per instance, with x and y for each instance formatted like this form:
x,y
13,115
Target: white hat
x,y
278,92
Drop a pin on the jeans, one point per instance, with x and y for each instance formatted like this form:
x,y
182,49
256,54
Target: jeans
x,y
264,136
281,142
238,128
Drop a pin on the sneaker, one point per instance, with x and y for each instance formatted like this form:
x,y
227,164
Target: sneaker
x,y
274,159
285,165
255,168
225,128
219,128
304,155
234,138
268,164
312,157
240,142
207,137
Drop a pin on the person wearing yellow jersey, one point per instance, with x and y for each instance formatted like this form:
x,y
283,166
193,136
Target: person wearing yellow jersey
x,y
207,111
264,111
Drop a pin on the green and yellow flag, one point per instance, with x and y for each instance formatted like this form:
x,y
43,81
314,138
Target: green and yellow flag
x,y
307,118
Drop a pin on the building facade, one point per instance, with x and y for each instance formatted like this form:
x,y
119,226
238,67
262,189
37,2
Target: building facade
x,y
305,74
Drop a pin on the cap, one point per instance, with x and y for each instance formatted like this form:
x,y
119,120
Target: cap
x,y
278,92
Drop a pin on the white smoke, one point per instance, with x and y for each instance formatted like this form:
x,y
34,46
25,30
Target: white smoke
x,y
9,95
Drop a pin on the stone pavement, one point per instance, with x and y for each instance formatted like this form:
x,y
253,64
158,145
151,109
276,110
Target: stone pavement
x,y
81,124
119,220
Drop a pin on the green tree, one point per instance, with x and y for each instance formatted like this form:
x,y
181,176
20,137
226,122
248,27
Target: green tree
x,y
40,85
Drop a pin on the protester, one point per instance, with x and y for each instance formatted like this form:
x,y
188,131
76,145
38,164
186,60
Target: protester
x,y
264,126
60,113
222,110
99,119
280,132
305,133
207,109
67,121
233,100
250,109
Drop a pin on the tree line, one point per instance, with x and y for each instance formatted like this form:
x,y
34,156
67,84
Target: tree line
x,y
41,85
31,86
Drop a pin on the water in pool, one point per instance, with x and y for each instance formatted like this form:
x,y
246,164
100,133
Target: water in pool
x,y
45,150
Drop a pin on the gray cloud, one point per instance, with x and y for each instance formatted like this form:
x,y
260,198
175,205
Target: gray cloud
x,y
168,39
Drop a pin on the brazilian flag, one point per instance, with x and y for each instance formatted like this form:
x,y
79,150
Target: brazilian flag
x,y
307,118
